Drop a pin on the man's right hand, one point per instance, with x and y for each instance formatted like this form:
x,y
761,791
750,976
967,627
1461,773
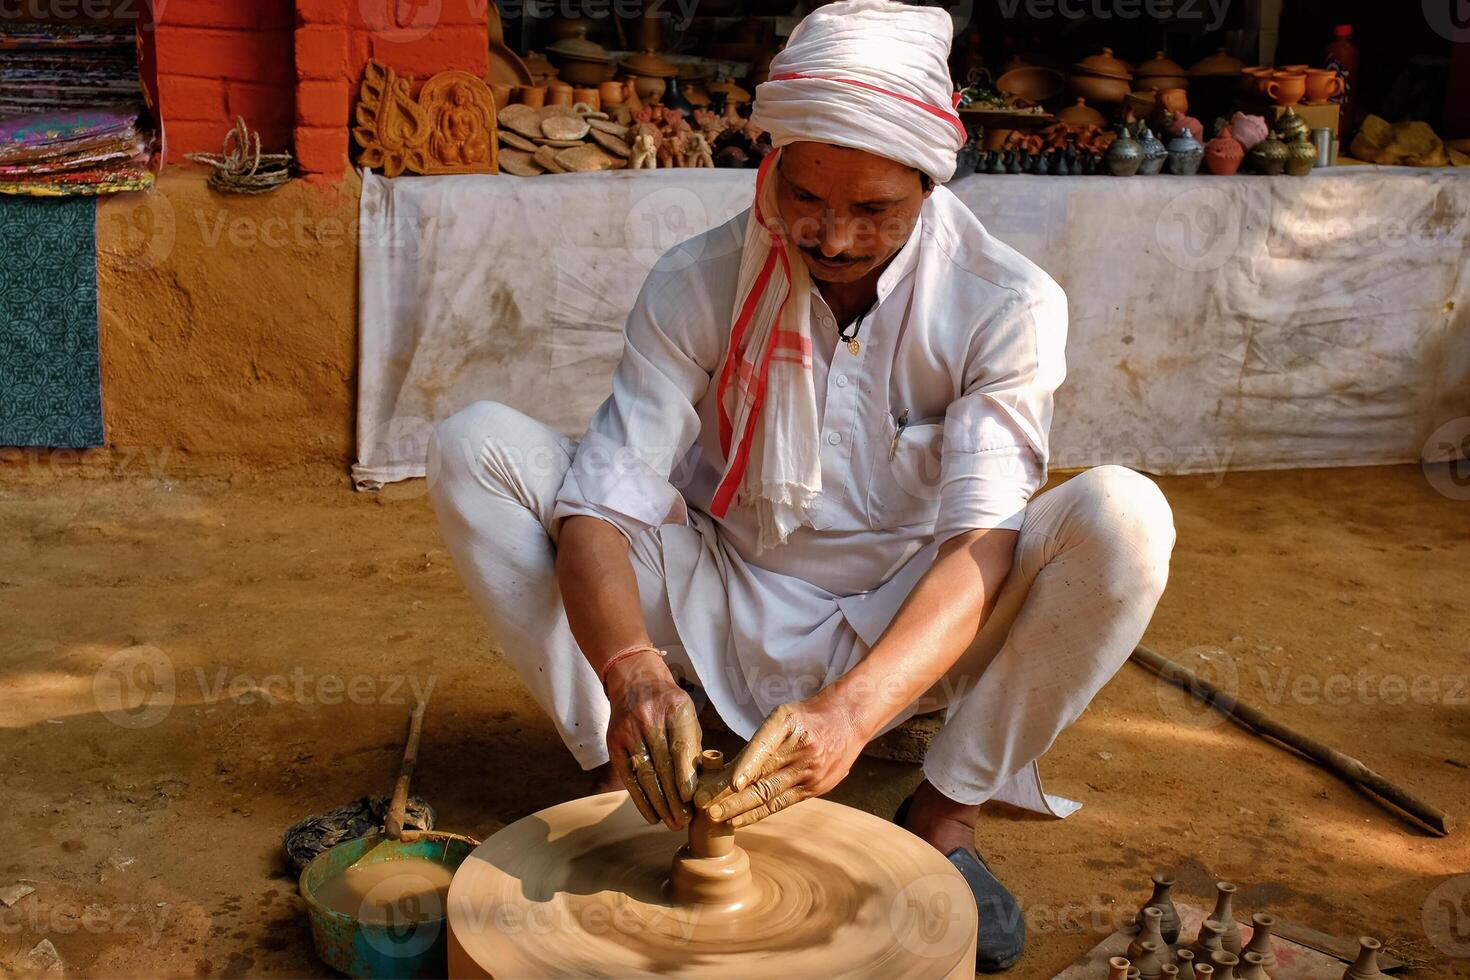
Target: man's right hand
x,y
653,738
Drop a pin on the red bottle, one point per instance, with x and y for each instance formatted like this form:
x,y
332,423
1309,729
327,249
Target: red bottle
x,y
1342,54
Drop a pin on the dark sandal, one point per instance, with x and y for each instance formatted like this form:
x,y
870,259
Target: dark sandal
x,y
1002,937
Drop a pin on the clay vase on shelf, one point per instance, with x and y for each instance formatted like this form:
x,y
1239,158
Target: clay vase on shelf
x,y
1150,919
1224,964
1185,154
1184,959
559,92
1149,961
1225,915
1207,942
1269,156
610,93
1204,971
1248,130
1118,968
1289,126
531,95
1080,115
1260,941
1301,156
1365,967
1286,87
1224,154
590,97
1251,967
1124,155
1323,85
1154,154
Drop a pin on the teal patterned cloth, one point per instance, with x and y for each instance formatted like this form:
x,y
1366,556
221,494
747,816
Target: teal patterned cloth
x,y
50,380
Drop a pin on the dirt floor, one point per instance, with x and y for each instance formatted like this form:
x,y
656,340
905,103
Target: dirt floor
x,y
191,661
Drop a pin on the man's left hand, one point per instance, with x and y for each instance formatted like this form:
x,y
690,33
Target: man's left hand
x,y
804,749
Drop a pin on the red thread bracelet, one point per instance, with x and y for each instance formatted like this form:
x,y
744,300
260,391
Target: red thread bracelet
x,y
624,654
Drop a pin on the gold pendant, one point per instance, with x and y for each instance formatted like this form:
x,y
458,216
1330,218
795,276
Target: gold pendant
x,y
854,347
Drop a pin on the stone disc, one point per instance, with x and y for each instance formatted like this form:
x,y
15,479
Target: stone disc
x,y
581,889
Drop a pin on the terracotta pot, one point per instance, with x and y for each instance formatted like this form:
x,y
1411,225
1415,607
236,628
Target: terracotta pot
x,y
501,94
1157,65
559,92
584,73
1323,84
531,95
1252,80
1159,83
1219,63
588,96
1032,85
1104,65
1174,100
1190,125
1286,87
650,89
1095,88
995,137
1295,69
1081,115
611,93
1224,154
1301,156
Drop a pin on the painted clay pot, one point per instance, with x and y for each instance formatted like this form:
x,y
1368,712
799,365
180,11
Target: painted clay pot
x,y
1269,157
1124,156
1185,154
1323,85
1224,897
1365,967
1290,125
1149,921
1154,154
1260,941
1287,87
1193,125
1223,154
1301,156
1248,130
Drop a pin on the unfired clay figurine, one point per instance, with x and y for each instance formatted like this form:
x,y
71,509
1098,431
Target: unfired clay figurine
x,y
645,152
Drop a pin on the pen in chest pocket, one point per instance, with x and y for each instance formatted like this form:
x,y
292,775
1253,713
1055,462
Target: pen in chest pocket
x,y
903,420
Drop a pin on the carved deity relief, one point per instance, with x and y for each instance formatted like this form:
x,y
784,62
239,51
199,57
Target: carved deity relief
x,y
448,129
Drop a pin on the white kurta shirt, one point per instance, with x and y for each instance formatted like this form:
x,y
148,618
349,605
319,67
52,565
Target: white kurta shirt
x,y
936,427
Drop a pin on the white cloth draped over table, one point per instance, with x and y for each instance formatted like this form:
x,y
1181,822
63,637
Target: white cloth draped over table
x,y
1241,323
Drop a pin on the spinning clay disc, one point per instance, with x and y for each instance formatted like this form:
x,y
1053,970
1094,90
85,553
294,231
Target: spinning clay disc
x,y
583,889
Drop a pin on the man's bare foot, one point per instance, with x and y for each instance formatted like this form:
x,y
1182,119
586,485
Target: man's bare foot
x,y
942,822
605,779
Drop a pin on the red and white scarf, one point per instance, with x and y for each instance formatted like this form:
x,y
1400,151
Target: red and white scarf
x,y
767,398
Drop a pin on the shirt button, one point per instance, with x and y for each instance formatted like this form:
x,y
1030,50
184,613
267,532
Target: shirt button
x,y
833,438
842,381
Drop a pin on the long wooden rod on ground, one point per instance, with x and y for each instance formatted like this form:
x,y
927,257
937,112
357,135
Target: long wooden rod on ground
x,y
1343,765
393,823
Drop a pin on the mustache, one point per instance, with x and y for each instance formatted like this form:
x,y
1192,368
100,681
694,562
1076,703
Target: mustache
x,y
842,258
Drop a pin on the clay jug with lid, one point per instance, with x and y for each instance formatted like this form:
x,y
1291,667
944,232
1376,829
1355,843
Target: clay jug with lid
x,y
1301,156
1154,153
1224,154
1269,157
1185,154
1124,155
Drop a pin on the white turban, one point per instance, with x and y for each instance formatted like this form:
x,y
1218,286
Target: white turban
x,y
871,75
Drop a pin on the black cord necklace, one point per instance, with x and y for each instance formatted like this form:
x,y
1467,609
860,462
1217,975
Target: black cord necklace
x,y
855,346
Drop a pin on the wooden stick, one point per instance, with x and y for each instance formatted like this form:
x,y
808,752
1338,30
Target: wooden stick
x,y
393,824
1343,765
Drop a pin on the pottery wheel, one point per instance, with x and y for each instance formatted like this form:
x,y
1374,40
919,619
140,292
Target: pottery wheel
x,y
583,889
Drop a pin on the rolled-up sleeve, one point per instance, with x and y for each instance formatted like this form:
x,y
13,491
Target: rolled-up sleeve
x,y
621,472
995,435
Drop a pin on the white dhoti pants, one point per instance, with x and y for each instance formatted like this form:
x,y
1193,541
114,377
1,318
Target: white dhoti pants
x,y
1090,564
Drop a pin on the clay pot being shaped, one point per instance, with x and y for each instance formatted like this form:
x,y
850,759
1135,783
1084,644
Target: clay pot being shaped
x,y
1081,115
1224,154
1286,87
1224,897
1260,941
1185,154
1249,130
1124,155
1149,921
1301,156
1323,85
1365,967
1154,154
